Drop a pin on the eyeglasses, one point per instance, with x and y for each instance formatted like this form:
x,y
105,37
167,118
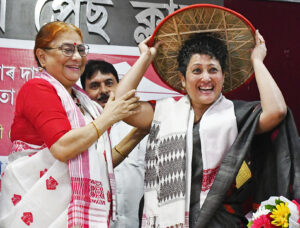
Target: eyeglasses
x,y
69,49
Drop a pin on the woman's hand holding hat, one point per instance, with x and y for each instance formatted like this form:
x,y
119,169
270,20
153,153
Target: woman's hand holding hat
x,y
150,51
260,51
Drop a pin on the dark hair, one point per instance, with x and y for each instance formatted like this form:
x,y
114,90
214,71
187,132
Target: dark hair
x,y
94,66
49,32
202,43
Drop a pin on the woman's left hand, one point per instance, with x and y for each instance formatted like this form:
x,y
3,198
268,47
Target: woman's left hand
x,y
260,51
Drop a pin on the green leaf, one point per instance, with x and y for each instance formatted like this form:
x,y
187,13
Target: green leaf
x,y
250,224
270,207
278,201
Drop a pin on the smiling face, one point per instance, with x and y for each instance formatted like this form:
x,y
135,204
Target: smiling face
x,y
100,86
66,70
204,80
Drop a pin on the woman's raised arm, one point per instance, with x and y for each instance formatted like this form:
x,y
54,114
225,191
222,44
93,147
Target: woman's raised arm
x,y
273,105
131,80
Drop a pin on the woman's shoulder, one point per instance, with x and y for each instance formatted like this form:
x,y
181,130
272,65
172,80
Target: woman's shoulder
x,y
241,104
37,83
35,88
243,110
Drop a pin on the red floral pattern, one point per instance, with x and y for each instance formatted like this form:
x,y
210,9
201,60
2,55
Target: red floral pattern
x,y
209,176
27,218
88,190
96,190
21,146
16,199
42,172
51,183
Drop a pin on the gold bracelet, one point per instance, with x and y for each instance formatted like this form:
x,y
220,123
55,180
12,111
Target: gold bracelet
x,y
121,153
98,131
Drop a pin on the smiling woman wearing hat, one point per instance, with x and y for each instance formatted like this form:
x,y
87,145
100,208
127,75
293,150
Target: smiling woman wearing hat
x,y
209,159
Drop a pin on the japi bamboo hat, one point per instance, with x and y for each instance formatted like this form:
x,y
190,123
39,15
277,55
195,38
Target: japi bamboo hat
x,y
235,30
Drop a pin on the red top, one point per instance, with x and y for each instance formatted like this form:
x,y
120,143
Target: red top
x,y
39,117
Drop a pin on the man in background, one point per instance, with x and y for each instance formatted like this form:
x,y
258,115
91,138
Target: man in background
x,y
99,79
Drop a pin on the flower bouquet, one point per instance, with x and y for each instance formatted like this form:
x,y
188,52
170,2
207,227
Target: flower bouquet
x,y
276,212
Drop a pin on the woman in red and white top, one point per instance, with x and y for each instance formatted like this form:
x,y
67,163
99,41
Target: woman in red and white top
x,y
60,171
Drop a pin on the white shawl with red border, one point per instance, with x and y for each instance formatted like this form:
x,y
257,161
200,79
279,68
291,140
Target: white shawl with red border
x,y
39,191
169,156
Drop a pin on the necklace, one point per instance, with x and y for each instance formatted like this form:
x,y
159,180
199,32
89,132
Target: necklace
x,y
77,102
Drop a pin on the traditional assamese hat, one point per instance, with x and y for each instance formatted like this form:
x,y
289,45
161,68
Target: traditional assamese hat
x,y
234,29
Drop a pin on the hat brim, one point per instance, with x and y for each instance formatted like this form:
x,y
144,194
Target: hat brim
x,y
234,29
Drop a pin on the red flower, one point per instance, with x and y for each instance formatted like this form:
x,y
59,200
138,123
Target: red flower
x,y
264,221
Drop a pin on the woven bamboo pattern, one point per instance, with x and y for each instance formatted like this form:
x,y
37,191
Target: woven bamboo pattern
x,y
237,35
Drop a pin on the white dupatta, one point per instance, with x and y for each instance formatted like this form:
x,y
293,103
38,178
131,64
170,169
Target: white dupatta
x,y
39,191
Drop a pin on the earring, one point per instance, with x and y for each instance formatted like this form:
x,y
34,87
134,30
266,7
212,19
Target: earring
x,y
41,69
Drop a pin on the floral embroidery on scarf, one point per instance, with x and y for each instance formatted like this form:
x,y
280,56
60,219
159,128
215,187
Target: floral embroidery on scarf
x,y
96,190
209,176
16,199
91,192
21,146
42,172
51,183
27,218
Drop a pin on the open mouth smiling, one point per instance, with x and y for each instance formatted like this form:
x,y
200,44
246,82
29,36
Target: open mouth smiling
x,y
206,88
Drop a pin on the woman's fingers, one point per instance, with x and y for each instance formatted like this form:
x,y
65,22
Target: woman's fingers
x,y
145,41
259,52
111,97
157,44
259,38
129,98
128,95
132,100
122,107
133,106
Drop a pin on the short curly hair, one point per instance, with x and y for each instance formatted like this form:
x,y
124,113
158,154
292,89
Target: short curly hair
x,y
202,43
